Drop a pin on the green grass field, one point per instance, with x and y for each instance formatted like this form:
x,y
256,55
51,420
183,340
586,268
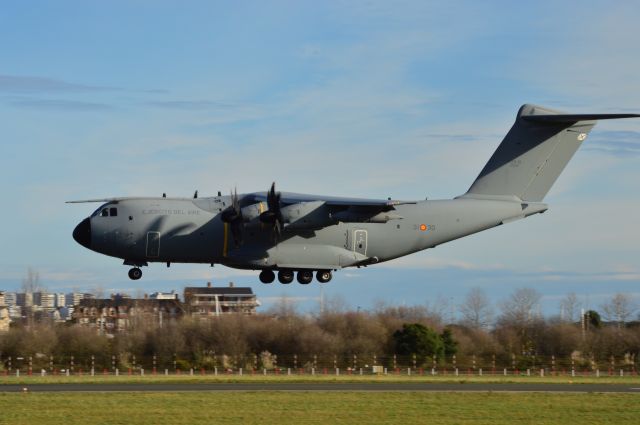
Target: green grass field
x,y
161,379
317,408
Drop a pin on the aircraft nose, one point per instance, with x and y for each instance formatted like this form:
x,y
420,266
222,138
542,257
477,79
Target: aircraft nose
x,y
82,233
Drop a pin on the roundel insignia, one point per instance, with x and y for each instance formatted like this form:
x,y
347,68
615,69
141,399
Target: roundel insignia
x,y
423,227
582,136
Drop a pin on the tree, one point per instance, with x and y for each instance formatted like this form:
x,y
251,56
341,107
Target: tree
x,y
419,340
569,307
520,313
592,319
450,346
519,309
476,310
619,309
31,283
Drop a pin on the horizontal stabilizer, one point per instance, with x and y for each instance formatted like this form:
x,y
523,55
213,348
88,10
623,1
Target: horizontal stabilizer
x,y
569,118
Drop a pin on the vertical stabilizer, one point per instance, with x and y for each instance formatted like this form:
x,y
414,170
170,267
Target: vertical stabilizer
x,y
534,153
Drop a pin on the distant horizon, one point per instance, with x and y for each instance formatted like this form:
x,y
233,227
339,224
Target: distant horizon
x,y
446,307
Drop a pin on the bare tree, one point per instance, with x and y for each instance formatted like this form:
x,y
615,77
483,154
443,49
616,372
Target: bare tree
x,y
619,309
284,307
569,307
31,283
476,310
521,307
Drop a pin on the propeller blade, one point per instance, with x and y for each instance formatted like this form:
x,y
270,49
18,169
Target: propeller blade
x,y
273,215
233,216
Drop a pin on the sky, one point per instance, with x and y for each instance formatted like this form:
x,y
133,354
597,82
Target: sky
x,y
372,99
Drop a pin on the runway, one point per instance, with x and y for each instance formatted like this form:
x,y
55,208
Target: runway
x,y
328,387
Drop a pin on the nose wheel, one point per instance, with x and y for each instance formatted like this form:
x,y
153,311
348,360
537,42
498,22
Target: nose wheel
x,y
135,273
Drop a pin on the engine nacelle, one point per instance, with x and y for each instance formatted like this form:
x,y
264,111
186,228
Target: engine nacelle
x,y
253,211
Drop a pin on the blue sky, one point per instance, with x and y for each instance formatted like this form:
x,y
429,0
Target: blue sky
x,y
355,98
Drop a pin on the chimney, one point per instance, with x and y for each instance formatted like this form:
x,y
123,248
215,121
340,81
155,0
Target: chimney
x,y
208,284
230,284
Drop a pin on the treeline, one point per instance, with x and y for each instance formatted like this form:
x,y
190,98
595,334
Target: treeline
x,y
516,336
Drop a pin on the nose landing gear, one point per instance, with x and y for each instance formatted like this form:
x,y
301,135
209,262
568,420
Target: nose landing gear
x,y
135,273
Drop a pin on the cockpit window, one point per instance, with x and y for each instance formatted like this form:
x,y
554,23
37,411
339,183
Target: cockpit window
x,y
106,210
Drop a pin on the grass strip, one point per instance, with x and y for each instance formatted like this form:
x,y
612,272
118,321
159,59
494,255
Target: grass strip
x,y
318,408
173,379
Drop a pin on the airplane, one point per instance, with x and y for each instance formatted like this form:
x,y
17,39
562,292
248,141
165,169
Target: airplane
x,y
302,235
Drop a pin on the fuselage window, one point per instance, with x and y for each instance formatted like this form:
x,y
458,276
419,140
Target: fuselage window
x,y
104,213
113,212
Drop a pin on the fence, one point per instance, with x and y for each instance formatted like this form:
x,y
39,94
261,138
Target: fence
x,y
266,363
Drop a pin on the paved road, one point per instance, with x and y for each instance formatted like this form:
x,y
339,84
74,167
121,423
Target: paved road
x,y
361,387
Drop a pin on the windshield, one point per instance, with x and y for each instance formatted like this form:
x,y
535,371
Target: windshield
x,y
106,210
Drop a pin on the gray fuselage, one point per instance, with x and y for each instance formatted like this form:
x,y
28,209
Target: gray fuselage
x,y
177,230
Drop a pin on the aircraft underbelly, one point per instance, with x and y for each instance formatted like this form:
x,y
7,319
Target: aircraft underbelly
x,y
314,257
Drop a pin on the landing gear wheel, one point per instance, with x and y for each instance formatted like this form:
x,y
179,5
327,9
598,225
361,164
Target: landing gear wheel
x,y
135,273
267,276
305,276
285,276
324,276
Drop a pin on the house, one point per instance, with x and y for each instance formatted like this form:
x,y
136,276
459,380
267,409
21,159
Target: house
x,y
121,312
215,301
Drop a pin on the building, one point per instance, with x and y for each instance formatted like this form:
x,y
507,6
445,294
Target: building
x,y
41,305
24,299
44,300
164,295
119,313
5,319
74,298
215,301
10,299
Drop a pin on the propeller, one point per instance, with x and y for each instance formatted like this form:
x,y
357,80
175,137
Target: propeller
x,y
233,215
273,215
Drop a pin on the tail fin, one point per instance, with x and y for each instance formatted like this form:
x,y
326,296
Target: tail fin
x,y
534,152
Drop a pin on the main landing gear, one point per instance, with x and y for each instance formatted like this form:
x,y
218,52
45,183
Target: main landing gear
x,y
267,276
303,276
135,273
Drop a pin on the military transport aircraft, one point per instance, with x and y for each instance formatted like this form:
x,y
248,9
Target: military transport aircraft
x,y
296,234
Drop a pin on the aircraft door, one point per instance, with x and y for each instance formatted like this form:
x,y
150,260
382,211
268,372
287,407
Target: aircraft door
x,y
360,241
153,244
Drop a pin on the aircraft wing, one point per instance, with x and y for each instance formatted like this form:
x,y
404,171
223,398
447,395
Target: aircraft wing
x,y
314,211
290,198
